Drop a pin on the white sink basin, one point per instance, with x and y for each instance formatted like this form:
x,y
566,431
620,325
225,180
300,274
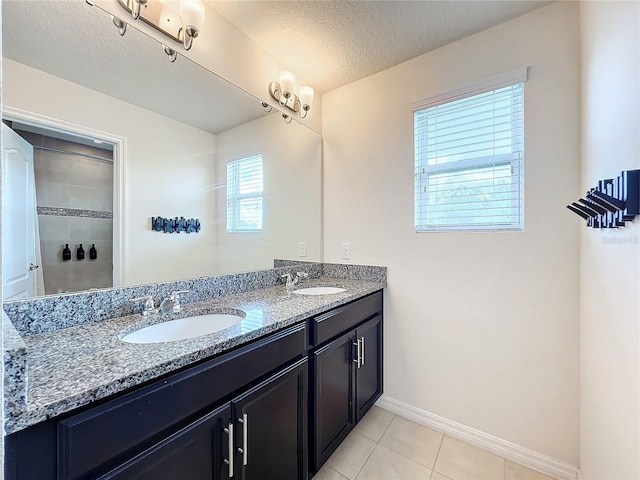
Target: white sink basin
x,y
183,328
318,290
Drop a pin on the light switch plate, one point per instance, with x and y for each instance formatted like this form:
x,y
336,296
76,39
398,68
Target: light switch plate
x,y
346,251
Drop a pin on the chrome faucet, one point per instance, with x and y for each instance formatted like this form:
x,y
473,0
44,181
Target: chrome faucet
x,y
148,308
172,302
291,282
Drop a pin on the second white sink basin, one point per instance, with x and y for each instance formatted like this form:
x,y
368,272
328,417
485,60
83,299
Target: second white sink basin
x,y
183,328
318,290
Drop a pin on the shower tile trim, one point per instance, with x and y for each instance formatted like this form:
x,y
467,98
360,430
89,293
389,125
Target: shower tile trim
x,y
73,212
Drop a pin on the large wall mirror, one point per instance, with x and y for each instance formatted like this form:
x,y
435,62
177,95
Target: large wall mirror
x,y
177,141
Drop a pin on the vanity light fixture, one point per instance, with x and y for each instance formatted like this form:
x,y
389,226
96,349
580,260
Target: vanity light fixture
x,y
192,13
171,53
181,20
122,26
282,92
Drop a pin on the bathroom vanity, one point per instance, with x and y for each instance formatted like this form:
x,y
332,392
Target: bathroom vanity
x,y
271,397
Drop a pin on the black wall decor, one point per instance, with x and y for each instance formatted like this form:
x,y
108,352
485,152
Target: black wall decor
x,y
612,203
175,225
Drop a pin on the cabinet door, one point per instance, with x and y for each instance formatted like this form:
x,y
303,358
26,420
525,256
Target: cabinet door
x,y
271,427
332,399
196,452
369,371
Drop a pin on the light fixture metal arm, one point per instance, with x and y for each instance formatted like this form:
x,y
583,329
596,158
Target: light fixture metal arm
x,y
122,26
153,13
292,103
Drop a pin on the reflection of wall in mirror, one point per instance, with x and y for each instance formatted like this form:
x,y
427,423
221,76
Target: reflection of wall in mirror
x,y
168,171
291,199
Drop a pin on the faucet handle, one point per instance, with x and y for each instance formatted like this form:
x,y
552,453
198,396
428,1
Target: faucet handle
x,y
302,274
176,294
148,308
175,298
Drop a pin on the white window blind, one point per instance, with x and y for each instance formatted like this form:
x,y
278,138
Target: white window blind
x,y
469,162
244,194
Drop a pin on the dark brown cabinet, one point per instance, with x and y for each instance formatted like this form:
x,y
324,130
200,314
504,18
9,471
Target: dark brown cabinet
x,y
369,371
275,408
265,429
176,422
346,374
332,396
196,451
270,430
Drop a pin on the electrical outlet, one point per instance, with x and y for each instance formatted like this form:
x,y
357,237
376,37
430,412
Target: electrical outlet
x,y
346,251
302,249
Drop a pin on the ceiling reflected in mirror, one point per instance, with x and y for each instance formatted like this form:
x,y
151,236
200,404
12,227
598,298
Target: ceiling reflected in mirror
x,y
88,50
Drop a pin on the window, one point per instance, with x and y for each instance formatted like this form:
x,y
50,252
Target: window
x,y
244,194
468,162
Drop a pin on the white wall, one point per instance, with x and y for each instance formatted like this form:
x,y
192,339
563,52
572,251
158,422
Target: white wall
x,y
292,197
610,259
480,328
169,171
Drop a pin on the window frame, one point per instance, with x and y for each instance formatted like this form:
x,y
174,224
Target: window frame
x,y
234,200
422,171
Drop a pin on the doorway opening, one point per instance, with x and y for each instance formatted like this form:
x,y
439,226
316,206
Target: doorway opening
x,y
73,177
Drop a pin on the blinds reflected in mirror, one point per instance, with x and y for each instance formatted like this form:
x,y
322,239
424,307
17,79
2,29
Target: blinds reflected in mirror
x,y
244,194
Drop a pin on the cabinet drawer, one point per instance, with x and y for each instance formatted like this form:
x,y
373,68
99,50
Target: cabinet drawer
x,y
331,324
105,436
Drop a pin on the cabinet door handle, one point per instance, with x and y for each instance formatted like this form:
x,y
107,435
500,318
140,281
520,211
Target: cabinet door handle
x,y
229,431
362,352
357,360
245,428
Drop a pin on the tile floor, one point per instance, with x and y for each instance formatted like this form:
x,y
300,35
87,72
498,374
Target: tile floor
x,y
385,446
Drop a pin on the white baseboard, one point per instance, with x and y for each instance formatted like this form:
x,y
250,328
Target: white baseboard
x,y
529,458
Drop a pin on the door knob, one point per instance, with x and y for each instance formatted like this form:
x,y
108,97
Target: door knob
x,y
33,266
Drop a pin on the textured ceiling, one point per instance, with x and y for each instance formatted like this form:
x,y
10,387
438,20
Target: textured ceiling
x,y
79,43
327,43
333,43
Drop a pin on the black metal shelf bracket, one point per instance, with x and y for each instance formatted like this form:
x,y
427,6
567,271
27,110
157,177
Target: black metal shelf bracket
x,y
175,225
612,202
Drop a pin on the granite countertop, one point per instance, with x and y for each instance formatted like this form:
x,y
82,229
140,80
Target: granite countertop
x,y
74,366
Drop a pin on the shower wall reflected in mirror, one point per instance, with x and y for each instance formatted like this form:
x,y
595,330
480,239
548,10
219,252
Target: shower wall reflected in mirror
x,y
74,202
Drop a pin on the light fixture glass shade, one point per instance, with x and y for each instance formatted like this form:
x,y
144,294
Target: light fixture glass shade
x,y
287,82
192,13
306,96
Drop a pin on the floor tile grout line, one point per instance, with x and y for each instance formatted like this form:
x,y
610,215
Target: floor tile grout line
x,y
435,461
377,442
368,457
391,449
387,428
504,468
432,468
439,451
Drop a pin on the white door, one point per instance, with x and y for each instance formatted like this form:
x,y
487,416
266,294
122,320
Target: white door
x,y
18,217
